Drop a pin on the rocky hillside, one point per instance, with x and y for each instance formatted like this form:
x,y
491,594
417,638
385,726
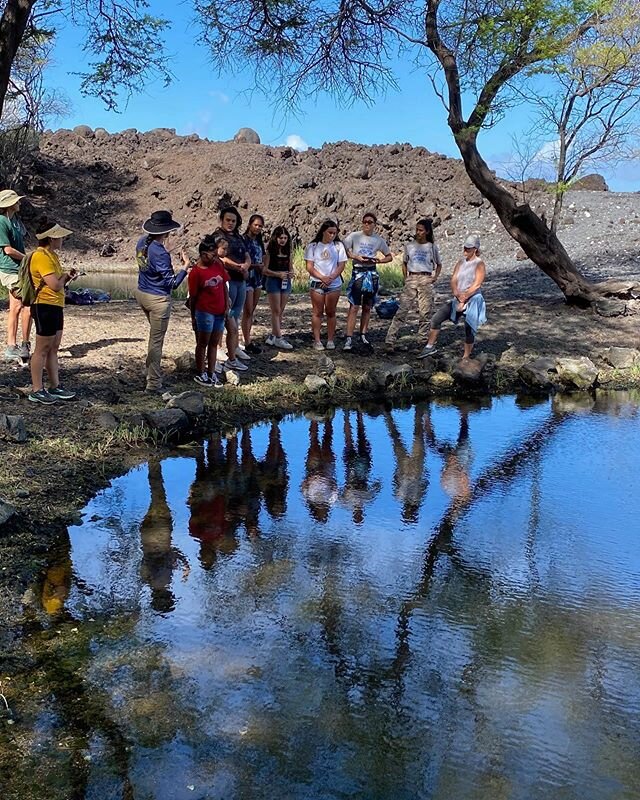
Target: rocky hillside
x,y
104,185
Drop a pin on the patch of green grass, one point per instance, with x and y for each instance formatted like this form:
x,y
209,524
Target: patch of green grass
x,y
390,274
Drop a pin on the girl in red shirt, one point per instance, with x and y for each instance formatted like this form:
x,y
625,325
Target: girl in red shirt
x,y
209,305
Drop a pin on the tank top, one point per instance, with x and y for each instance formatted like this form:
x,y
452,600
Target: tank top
x,y
467,273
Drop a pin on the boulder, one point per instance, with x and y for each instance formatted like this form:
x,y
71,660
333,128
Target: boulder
x,y
167,421
191,402
6,511
101,133
247,136
538,374
314,383
580,373
468,370
379,377
609,307
621,357
107,421
591,183
326,366
14,427
185,362
84,131
400,371
441,380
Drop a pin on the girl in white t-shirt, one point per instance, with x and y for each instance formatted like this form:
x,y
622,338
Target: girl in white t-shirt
x,y
326,259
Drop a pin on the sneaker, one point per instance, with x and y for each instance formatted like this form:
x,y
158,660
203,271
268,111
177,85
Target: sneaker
x,y
12,352
203,379
25,350
429,350
218,367
42,396
364,340
235,365
331,345
240,353
253,348
215,382
318,346
61,394
283,344
270,340
348,345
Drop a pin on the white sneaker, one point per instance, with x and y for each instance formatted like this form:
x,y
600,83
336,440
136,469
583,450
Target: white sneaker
x,y
283,344
270,340
240,353
318,346
235,365
348,345
331,345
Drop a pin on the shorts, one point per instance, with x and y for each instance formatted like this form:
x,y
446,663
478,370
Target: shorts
x,y
318,286
363,288
254,280
48,319
208,323
9,279
237,295
275,285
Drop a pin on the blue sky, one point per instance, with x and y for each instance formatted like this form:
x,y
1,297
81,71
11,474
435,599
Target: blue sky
x,y
215,107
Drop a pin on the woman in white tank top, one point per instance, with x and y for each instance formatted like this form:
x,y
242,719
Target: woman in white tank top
x,y
467,302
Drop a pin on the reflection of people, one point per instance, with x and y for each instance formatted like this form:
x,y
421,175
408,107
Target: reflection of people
x,y
159,557
410,479
320,487
358,490
208,500
274,476
57,579
454,478
468,301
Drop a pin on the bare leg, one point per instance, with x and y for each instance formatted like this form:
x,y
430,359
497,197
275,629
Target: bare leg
x,y
12,322
26,323
51,362
202,347
317,312
38,359
330,305
284,299
365,316
275,304
352,316
232,337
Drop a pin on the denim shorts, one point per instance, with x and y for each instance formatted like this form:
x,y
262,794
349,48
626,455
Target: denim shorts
x,y
209,323
254,280
237,295
318,286
276,285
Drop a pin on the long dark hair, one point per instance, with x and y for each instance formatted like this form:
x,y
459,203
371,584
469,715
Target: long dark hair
x,y
328,223
273,248
257,238
427,224
231,210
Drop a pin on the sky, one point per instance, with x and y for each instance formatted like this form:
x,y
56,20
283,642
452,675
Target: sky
x,y
216,106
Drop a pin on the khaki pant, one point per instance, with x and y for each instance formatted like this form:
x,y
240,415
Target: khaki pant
x,y
418,291
157,309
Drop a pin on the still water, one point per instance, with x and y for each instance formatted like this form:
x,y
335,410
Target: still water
x,y
436,602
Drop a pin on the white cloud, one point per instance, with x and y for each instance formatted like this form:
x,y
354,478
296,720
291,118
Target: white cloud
x,y
221,97
296,141
548,153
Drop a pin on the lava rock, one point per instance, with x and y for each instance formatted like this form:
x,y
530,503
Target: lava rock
x,y
580,373
167,421
247,135
315,383
191,402
621,357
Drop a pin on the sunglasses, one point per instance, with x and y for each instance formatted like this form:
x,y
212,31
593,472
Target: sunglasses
x,y
368,222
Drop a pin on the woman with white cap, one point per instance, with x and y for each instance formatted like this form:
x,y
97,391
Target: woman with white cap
x,y
156,281
467,302
12,252
47,310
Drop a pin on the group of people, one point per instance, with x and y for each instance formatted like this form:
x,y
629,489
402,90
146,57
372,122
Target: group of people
x,y
233,268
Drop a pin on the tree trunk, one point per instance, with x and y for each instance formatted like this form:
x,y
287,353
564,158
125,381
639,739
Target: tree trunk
x,y
12,27
541,245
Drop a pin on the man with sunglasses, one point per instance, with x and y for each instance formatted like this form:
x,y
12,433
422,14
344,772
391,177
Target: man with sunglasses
x,y
364,248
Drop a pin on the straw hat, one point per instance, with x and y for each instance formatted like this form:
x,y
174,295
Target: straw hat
x,y
9,198
160,222
54,232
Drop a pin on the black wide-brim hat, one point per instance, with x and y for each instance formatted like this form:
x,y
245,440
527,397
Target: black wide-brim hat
x,y
160,222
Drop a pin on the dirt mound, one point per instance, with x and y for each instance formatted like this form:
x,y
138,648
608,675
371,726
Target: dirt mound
x,y
104,185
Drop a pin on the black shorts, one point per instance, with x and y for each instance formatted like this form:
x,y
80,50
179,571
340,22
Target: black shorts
x,y
48,319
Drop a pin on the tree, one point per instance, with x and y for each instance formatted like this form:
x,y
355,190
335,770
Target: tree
x,y
124,39
479,49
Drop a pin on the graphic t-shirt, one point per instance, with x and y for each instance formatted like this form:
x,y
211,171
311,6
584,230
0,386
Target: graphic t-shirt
x,y
365,246
10,236
206,287
421,257
45,262
326,258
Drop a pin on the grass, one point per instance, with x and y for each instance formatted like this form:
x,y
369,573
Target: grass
x,y
390,274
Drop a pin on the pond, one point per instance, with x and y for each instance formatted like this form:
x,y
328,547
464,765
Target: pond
x,y
440,601
120,285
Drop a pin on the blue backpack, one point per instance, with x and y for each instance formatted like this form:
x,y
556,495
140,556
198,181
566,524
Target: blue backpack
x,y
387,309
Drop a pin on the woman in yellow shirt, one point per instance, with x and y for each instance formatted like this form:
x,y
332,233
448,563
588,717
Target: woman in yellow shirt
x,y
47,311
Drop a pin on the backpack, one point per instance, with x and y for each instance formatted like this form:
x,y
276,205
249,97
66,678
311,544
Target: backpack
x,y
25,289
387,309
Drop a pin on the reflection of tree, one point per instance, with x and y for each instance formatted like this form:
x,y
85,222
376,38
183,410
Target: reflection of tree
x,y
358,489
410,478
320,487
159,557
274,475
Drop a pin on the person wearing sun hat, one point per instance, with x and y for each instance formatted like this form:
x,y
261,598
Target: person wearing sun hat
x,y
12,251
467,302
47,310
156,281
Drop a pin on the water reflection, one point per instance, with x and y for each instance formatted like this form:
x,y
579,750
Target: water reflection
x,y
438,602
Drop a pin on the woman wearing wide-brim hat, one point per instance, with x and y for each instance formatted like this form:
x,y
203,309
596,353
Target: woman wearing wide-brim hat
x,y
156,281
47,310
12,251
